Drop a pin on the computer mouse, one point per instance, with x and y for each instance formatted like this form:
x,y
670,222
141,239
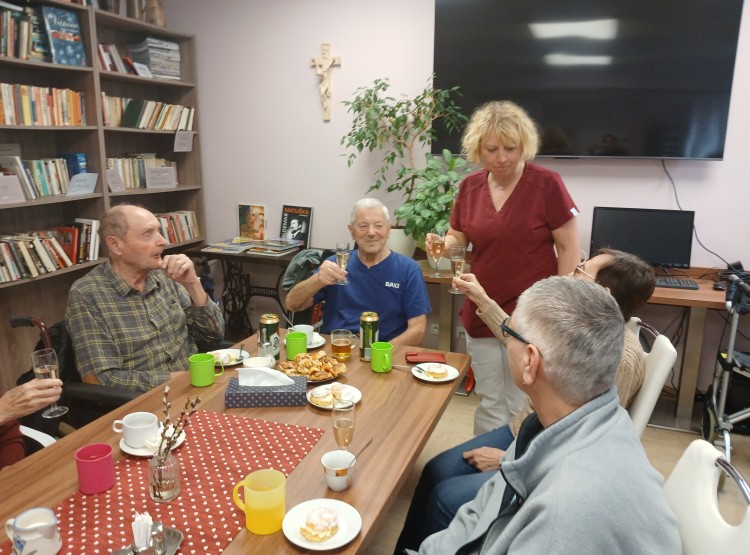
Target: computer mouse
x,y
719,286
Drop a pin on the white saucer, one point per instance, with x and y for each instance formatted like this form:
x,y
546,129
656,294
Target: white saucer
x,y
317,341
452,373
147,451
350,523
348,393
236,356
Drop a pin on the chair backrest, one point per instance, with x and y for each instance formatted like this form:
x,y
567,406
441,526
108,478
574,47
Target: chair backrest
x,y
301,267
691,491
633,326
659,361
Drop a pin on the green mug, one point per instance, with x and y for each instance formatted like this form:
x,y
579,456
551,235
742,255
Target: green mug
x,y
203,369
296,343
381,357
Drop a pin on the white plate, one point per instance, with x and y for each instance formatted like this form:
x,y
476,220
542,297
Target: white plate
x,y
236,355
349,393
147,451
452,373
317,341
350,523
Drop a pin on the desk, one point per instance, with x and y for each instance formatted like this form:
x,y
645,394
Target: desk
x,y
238,287
397,410
697,302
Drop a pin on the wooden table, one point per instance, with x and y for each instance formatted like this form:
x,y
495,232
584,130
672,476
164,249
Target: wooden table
x,y
697,302
397,410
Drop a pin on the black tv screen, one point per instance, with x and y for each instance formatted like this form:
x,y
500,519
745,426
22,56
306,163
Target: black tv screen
x,y
612,78
663,238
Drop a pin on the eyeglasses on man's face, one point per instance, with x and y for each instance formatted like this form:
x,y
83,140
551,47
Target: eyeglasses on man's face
x,y
581,268
510,332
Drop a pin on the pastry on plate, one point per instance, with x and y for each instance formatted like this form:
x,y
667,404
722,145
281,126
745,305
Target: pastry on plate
x,y
436,371
320,524
321,396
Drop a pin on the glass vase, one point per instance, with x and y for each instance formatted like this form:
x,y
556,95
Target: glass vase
x,y
164,477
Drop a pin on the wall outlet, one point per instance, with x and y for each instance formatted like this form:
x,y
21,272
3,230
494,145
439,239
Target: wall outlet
x,y
461,333
434,329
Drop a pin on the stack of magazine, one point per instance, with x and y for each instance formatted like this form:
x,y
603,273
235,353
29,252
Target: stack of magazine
x,y
264,247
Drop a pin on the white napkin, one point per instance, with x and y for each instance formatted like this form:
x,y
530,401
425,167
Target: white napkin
x,y
262,377
142,529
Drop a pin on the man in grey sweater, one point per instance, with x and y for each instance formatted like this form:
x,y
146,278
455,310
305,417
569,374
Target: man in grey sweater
x,y
576,480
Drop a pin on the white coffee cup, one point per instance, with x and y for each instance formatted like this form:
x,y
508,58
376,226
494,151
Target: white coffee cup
x,y
138,429
338,468
309,331
34,531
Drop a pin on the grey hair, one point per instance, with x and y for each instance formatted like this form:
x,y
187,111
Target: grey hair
x,y
368,202
578,328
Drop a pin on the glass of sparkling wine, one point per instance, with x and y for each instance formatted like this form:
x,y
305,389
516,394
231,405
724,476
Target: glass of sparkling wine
x,y
438,244
342,258
343,414
44,362
457,256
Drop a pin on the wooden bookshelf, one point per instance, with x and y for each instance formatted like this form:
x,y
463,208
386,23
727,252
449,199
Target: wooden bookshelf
x,y
45,297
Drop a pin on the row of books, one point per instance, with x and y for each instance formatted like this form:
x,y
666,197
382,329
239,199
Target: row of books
x,y
146,114
179,226
45,33
35,253
161,56
41,106
132,169
44,177
111,60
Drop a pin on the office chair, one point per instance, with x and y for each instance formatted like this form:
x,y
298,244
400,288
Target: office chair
x,y
34,440
659,361
691,491
86,402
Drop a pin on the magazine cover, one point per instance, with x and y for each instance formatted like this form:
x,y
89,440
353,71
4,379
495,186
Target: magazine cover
x,y
252,221
64,33
296,223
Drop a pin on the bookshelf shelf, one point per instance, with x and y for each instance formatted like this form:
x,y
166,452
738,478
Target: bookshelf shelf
x,y
45,296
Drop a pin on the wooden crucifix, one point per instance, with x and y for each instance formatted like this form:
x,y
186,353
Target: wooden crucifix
x,y
322,65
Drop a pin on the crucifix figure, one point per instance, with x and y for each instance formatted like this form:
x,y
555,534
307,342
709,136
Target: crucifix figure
x,y
322,64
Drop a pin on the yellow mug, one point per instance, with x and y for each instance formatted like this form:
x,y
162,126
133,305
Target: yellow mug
x,y
265,500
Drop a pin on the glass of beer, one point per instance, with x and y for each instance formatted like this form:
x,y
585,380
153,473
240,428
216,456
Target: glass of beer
x,y
342,258
438,244
44,362
343,415
457,257
341,344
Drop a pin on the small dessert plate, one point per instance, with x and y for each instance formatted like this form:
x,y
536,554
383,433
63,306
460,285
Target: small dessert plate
x,y
350,523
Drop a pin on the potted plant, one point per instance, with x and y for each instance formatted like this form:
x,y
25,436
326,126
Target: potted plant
x,y
401,128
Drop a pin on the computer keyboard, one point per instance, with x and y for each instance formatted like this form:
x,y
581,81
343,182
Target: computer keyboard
x,y
676,283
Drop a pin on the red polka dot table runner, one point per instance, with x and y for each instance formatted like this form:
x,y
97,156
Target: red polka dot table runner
x,y
219,451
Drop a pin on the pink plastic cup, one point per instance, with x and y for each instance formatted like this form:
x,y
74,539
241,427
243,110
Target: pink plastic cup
x,y
96,468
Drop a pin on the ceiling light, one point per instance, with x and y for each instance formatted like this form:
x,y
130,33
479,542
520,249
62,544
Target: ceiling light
x,y
573,60
598,29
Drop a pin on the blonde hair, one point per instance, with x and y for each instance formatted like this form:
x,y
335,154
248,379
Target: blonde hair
x,y
511,124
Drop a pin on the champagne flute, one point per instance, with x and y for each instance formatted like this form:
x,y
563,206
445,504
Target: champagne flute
x,y
343,415
44,362
457,257
342,258
438,244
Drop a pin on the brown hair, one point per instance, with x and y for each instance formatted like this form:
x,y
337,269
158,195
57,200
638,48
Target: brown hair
x,y
629,279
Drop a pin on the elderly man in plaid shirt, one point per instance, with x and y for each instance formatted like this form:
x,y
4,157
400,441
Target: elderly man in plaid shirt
x,y
136,317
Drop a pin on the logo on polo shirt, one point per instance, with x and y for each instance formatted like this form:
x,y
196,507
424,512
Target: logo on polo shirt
x,y
391,284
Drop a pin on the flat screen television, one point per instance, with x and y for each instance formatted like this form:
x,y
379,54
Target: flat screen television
x,y
607,78
662,238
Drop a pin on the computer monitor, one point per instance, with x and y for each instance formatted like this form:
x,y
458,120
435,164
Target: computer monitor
x,y
663,238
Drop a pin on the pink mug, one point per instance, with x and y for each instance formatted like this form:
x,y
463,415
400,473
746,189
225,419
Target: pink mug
x,y
96,468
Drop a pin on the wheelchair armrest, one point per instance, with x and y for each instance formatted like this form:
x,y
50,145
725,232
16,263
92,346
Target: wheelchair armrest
x,y
99,394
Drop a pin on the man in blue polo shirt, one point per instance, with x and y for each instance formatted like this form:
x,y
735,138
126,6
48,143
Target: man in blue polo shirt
x,y
380,280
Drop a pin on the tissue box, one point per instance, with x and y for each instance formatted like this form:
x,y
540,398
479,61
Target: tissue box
x,y
290,395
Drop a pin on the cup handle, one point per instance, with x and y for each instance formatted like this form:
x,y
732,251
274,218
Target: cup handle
x,y
222,369
115,426
236,495
387,360
9,528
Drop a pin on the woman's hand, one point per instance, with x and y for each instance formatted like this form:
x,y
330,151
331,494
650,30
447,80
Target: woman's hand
x,y
484,459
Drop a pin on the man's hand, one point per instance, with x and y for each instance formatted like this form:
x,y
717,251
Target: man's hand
x,y
29,397
179,268
484,459
468,284
330,273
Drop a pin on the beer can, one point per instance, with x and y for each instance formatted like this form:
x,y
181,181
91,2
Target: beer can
x,y
270,323
368,334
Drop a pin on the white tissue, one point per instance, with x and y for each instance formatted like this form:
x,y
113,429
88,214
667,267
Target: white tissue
x,y
262,377
142,529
